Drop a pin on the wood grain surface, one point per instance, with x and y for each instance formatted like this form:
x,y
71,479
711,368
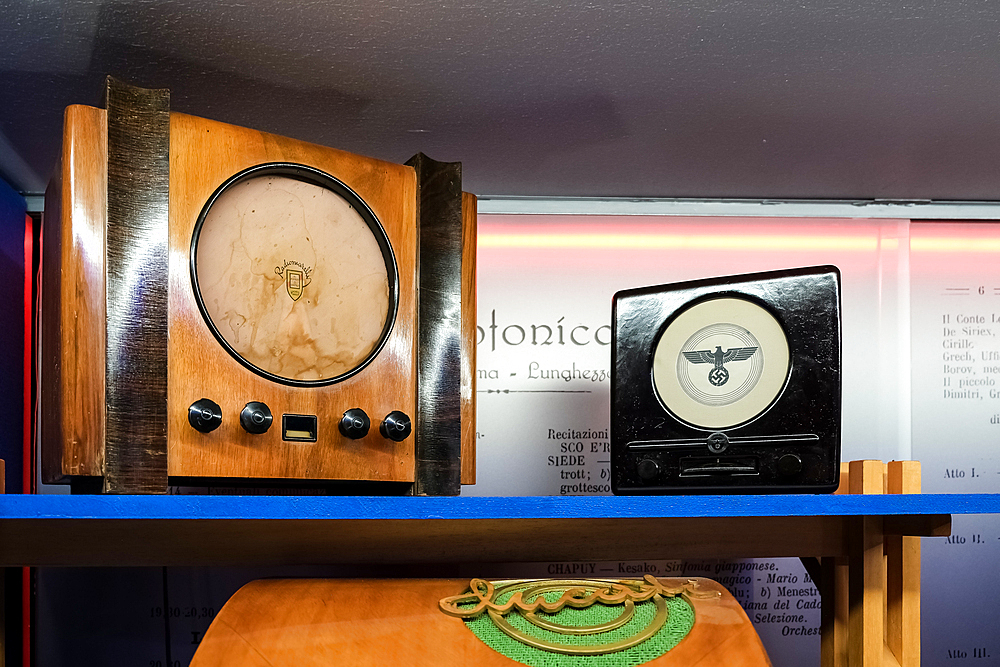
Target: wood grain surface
x,y
71,542
356,623
203,155
73,303
902,566
871,599
866,563
469,337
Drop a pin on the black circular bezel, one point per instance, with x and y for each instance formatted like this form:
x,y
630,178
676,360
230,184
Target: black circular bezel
x,y
726,294
321,179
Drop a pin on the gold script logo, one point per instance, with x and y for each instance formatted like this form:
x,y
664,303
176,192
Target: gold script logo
x,y
297,276
527,598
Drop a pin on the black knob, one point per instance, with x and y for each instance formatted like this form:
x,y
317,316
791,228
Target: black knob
x,y
789,464
355,424
205,415
648,470
395,426
717,443
256,417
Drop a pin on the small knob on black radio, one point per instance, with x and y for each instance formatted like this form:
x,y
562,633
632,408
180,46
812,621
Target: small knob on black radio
x,y
789,464
205,415
355,424
256,417
396,426
648,470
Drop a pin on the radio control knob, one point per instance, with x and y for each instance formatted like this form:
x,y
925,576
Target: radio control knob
x,y
355,424
789,464
256,417
396,426
205,415
648,470
717,443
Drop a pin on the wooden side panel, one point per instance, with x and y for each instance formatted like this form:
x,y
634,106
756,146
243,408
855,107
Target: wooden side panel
x,y
135,394
203,155
438,426
469,337
362,623
73,302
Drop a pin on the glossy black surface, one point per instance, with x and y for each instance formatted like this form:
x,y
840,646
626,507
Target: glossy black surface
x,y
396,426
355,424
205,415
654,452
438,419
789,464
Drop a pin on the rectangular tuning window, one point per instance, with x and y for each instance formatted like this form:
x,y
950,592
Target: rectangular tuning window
x,y
298,428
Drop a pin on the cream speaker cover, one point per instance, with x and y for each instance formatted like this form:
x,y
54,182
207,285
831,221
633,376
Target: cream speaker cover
x,y
294,275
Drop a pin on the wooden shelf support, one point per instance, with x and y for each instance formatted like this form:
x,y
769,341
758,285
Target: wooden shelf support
x,y
871,598
902,590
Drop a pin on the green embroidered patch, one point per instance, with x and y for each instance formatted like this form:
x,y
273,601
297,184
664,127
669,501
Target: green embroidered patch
x,y
680,620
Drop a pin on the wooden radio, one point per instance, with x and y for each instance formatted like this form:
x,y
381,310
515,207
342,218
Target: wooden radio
x,y
510,623
219,303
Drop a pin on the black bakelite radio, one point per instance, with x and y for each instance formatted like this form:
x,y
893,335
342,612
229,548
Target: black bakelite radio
x,y
728,385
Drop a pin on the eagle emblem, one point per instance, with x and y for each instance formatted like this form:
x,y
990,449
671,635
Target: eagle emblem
x,y
718,376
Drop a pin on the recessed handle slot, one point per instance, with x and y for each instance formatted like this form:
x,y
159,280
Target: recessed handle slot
x,y
704,466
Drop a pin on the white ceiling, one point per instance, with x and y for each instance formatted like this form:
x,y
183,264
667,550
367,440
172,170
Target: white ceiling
x,y
696,98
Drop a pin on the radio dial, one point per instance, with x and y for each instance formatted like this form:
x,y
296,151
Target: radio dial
x,y
256,418
355,424
205,415
395,426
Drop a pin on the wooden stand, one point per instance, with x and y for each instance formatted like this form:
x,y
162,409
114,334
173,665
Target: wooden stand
x,y
145,530
871,598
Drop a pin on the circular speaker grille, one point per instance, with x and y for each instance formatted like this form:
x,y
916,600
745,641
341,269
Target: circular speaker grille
x,y
720,363
294,274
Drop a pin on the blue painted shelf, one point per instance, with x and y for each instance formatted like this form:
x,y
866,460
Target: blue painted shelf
x,y
60,530
372,508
